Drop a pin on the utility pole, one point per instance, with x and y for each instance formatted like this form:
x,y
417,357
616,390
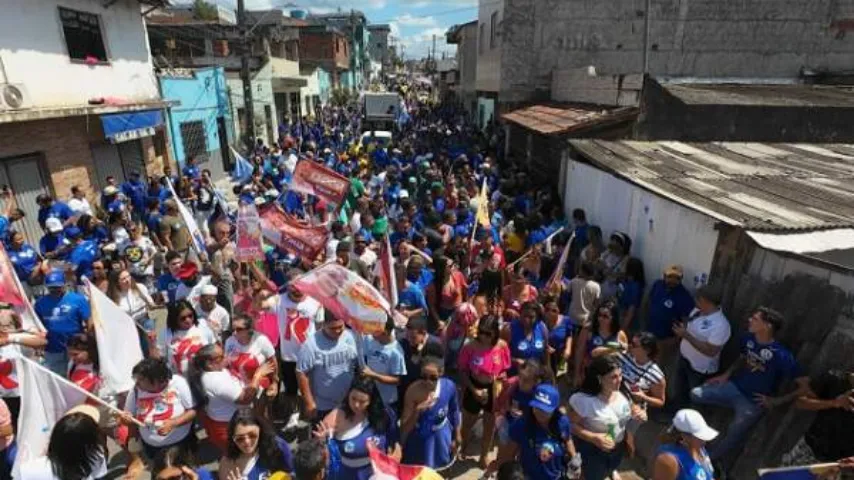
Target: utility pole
x,y
245,74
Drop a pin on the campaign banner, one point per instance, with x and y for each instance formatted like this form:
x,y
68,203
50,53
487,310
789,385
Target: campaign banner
x,y
315,179
387,468
347,295
190,222
249,246
299,239
12,292
802,472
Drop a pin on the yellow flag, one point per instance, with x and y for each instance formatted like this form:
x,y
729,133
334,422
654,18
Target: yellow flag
x,y
482,216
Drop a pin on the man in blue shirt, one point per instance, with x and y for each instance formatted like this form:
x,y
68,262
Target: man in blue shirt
x,y
49,208
748,385
10,215
24,258
83,252
63,314
191,169
667,303
168,283
53,245
135,191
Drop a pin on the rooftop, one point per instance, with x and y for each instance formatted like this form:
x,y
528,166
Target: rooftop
x,y
549,120
771,187
780,95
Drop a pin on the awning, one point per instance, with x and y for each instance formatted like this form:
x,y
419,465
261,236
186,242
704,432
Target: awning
x,y
123,127
808,242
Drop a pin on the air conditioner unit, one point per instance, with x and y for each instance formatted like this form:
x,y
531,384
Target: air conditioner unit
x,y
14,96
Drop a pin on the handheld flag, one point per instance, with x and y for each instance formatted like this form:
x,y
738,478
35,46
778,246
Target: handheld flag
x,y
190,222
313,178
242,168
12,292
557,275
116,334
347,295
303,240
387,468
385,274
482,216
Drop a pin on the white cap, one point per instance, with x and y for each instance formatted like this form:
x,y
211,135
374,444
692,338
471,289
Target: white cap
x,y
53,225
692,422
209,290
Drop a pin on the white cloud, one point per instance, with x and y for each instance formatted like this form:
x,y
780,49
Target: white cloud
x,y
408,20
421,43
421,4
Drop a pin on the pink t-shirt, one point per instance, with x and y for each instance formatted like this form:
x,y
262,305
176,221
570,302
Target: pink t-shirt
x,y
490,362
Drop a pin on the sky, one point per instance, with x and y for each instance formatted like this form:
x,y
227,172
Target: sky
x,y
413,22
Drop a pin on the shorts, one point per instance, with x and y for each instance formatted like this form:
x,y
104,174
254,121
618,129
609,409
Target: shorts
x,y
470,403
288,373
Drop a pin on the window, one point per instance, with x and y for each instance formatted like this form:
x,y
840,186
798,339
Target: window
x,y
481,39
83,36
195,139
493,29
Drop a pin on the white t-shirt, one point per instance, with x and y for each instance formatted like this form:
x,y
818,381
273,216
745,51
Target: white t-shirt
x,y
80,206
153,409
192,294
135,302
356,222
138,250
713,328
369,257
601,417
222,389
179,347
41,469
244,360
217,319
297,322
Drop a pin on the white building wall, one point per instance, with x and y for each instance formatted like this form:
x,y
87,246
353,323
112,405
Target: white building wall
x,y
33,52
310,90
488,57
262,96
662,232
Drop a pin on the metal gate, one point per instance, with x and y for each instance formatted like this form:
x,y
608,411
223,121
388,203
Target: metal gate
x,y
27,180
132,159
117,160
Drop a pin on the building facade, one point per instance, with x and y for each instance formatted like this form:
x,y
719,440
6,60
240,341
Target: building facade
x,y
316,94
328,48
354,25
200,122
379,44
490,16
80,99
465,38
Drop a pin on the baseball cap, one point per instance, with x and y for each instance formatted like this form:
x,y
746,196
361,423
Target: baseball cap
x,y
110,190
692,422
674,271
56,278
73,232
53,225
546,398
188,270
209,290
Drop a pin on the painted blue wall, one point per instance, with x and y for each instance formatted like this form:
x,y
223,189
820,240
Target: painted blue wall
x,y
202,98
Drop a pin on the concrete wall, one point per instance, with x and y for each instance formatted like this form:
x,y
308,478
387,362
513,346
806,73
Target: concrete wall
x,y
324,46
488,58
203,98
379,45
318,84
701,38
262,95
33,51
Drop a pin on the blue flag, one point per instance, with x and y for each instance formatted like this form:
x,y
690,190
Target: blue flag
x,y
242,168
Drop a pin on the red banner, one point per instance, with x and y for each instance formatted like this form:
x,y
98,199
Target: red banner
x,y
248,234
314,179
300,239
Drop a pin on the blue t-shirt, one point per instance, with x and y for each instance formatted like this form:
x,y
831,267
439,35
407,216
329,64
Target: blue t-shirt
x,y
56,210
4,229
24,260
525,348
192,171
581,237
153,222
667,306
386,360
412,297
62,317
767,366
51,243
82,256
136,193
330,365
169,284
259,472
560,333
689,468
540,452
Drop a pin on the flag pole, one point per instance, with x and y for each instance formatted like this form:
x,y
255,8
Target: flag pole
x,y
92,397
531,250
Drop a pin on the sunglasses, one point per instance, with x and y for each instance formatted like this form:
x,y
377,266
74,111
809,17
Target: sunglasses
x,y
240,329
430,378
248,436
186,316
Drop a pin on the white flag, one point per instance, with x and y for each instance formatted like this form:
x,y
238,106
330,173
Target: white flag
x,y
190,222
46,397
118,344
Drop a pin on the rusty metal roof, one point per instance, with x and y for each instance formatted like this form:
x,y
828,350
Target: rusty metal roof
x,y
763,95
759,186
549,120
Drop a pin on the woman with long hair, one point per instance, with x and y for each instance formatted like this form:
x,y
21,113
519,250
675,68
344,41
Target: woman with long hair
x,y
528,336
461,330
600,414
361,418
77,449
594,249
682,455
613,261
100,275
134,299
561,332
182,337
245,351
219,392
176,463
631,294
520,290
606,337
254,450
447,291
483,364
430,422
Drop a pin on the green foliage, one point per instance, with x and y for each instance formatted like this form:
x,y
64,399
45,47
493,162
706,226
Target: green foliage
x,y
203,10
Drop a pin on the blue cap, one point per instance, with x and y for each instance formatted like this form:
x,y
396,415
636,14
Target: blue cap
x,y
546,398
56,278
73,232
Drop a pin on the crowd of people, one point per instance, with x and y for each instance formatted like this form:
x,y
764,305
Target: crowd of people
x,y
560,356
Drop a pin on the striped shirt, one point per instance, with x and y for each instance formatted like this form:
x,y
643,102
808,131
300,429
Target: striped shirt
x,y
644,376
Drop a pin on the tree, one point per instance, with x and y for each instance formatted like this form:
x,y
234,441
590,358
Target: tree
x,y
203,10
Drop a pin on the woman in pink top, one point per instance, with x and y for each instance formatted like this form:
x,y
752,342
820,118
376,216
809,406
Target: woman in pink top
x,y
483,364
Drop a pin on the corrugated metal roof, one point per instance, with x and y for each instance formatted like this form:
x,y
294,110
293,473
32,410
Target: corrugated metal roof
x,y
759,186
763,95
549,120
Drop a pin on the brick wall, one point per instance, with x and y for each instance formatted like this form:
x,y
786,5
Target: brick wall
x,y
321,46
64,142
